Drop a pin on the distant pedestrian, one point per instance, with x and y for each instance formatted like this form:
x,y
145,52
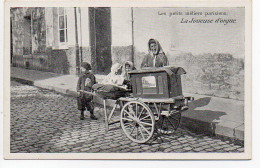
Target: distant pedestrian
x,y
85,82
156,56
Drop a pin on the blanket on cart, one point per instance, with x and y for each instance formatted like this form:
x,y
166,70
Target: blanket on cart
x,y
107,91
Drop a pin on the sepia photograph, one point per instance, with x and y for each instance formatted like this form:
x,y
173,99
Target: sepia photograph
x,y
158,81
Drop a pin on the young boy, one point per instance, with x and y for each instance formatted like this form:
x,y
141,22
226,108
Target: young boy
x,y
85,82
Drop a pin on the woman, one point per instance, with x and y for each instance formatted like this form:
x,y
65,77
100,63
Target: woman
x,y
156,56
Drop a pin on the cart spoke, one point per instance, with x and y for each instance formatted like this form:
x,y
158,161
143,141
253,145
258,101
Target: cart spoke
x,y
136,109
144,117
136,136
175,118
132,131
141,112
145,129
130,115
130,108
162,121
141,132
171,123
128,119
144,123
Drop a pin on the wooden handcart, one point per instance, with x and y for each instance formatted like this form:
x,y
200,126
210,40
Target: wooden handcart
x,y
155,105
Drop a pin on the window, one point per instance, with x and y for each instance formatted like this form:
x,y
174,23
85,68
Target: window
x,y
149,85
148,81
62,26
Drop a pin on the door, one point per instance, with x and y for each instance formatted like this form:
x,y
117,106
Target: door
x,y
100,39
27,40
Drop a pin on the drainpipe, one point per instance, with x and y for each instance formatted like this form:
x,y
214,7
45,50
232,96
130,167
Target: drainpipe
x,y
132,15
77,44
11,37
80,26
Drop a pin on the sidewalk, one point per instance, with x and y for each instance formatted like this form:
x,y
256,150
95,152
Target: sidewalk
x,y
220,116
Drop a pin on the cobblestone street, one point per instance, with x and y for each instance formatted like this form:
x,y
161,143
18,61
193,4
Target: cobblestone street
x,y
45,121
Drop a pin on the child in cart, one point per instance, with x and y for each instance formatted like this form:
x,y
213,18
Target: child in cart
x,y
116,84
85,82
128,66
119,75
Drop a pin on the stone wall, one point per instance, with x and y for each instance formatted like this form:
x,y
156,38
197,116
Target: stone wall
x,y
219,75
85,54
17,19
28,35
120,54
38,30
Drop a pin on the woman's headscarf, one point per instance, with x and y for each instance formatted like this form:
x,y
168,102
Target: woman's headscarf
x,y
124,73
158,47
114,77
156,58
115,68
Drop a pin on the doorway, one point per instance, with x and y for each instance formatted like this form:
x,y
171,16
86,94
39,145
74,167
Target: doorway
x,y
100,39
27,40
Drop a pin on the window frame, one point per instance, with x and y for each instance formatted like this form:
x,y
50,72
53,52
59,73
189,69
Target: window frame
x,y
63,45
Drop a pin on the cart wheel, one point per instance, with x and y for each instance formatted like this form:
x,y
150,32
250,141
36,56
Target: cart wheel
x,y
169,124
137,121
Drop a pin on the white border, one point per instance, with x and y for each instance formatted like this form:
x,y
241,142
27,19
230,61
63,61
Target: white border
x,y
227,3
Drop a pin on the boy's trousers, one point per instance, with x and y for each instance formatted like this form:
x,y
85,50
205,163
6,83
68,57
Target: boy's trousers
x,y
85,102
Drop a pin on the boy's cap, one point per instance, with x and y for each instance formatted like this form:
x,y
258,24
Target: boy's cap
x,y
86,65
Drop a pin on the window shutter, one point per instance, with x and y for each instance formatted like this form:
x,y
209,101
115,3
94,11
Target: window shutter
x,y
55,28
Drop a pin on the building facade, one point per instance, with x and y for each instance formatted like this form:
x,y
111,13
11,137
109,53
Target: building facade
x,y
59,39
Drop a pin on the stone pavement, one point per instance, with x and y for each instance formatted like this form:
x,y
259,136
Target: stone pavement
x,y
214,115
43,121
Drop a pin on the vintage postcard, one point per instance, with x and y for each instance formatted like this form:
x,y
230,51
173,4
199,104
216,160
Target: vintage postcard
x,y
127,79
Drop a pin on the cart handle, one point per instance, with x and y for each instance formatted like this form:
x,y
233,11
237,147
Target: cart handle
x,y
87,92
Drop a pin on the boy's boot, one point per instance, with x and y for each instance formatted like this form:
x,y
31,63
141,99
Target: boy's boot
x,y
82,115
92,116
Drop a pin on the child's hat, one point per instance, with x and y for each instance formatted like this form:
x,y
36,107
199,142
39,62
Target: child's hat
x,y
86,65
